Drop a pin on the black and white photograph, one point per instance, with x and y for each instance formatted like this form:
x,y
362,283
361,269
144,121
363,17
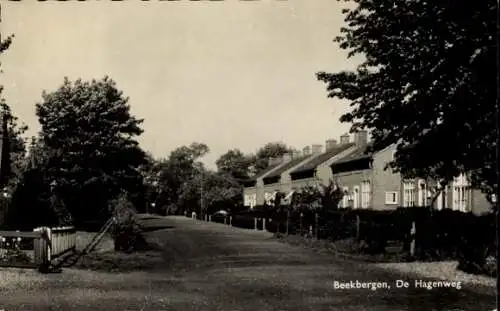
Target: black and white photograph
x,y
249,155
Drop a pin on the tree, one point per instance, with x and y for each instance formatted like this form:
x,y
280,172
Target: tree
x,y
428,83
12,147
235,164
268,151
180,167
217,191
90,136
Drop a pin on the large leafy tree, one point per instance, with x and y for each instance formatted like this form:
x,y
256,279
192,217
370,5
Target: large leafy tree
x,y
268,151
209,191
428,82
174,172
90,137
235,164
12,146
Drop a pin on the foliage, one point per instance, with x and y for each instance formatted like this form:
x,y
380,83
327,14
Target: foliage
x,y
235,164
269,151
126,230
174,172
13,147
89,136
428,83
218,191
321,199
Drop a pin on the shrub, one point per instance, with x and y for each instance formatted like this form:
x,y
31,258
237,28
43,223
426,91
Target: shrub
x,y
126,231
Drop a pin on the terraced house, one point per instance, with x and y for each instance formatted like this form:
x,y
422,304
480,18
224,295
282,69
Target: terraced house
x,y
363,178
367,184
279,180
317,171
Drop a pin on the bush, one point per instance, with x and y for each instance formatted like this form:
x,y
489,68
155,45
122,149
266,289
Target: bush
x,y
126,231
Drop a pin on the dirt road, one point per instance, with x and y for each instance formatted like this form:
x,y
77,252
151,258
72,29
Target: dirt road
x,y
208,266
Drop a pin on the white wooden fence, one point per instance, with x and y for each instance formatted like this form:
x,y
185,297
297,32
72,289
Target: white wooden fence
x,y
48,243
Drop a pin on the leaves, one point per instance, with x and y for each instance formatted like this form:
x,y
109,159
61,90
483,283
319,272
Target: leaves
x,y
427,83
88,136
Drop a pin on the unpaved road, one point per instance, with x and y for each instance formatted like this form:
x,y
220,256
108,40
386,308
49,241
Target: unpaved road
x,y
208,266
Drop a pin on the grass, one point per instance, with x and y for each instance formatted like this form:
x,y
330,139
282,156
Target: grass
x,y
105,258
445,270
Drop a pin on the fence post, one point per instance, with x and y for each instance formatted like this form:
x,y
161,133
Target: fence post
x,y
358,225
413,232
316,225
209,218
255,223
41,248
230,221
287,221
264,224
225,220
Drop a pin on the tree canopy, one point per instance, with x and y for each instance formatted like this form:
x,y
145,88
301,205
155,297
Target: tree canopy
x,y
89,135
268,151
235,164
428,83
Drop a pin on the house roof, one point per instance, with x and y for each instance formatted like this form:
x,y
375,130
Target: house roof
x,y
265,171
318,160
358,154
288,166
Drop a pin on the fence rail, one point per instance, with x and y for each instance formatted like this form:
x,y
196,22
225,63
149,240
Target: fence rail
x,y
48,244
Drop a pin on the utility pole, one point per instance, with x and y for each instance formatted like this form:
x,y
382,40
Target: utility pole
x,y
201,196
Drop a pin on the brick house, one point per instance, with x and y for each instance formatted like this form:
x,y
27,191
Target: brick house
x,y
279,179
317,170
367,184
363,179
253,188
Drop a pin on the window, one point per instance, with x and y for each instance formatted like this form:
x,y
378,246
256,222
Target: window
x,y
391,197
408,193
355,195
423,193
345,198
461,194
246,200
365,194
253,200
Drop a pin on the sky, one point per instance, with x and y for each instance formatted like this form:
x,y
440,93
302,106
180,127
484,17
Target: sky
x,y
230,74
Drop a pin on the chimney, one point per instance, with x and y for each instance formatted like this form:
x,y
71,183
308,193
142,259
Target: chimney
x,y
344,139
287,157
296,154
306,150
330,144
317,149
361,139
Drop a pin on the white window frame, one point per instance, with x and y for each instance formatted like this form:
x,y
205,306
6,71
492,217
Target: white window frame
x,y
391,198
253,200
356,197
423,193
408,193
365,194
461,193
345,198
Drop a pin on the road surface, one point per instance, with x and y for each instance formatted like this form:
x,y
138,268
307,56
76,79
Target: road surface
x,y
206,266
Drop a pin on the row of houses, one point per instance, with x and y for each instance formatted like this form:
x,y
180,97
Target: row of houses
x,y
363,178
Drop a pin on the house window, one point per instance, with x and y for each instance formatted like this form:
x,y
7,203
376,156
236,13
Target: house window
x,y
253,200
365,194
345,198
246,200
423,194
461,193
391,197
355,195
408,193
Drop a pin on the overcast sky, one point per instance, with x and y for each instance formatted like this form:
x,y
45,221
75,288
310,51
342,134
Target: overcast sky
x,y
231,74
